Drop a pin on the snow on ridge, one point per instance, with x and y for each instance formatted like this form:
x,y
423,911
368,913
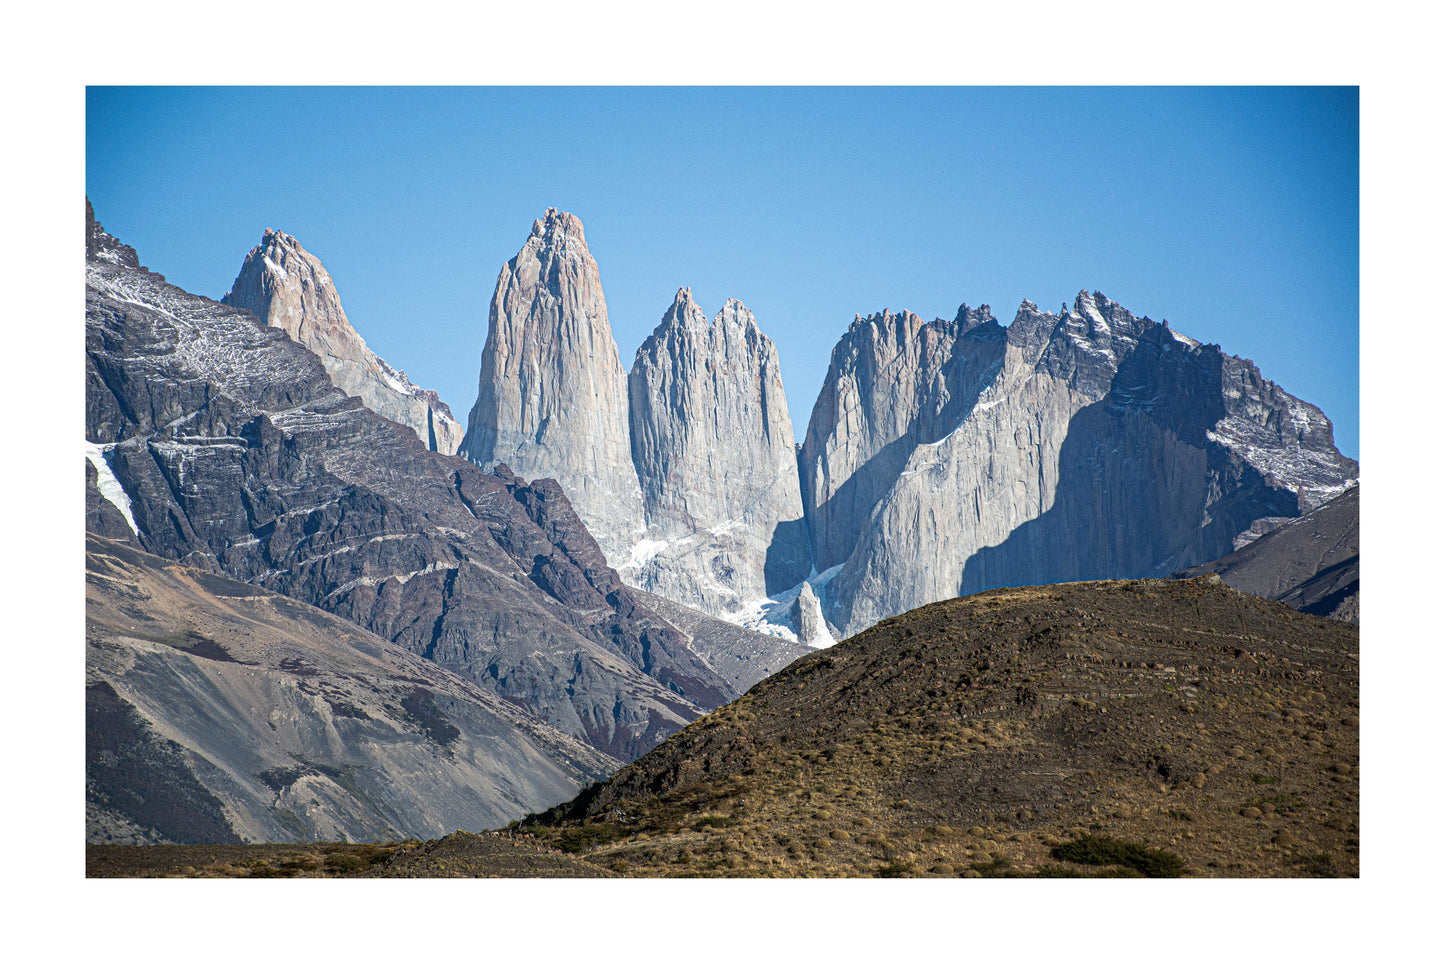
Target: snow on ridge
x,y
393,384
108,484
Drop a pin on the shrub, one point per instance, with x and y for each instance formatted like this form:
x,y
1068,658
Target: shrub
x,y
1316,865
1280,802
575,840
715,821
1102,851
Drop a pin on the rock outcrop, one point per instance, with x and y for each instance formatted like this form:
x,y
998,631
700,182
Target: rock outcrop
x,y
806,616
712,443
288,288
236,454
552,394
949,458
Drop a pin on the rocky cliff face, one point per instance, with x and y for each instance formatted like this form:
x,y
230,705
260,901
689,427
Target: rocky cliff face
x,y
552,395
894,382
236,454
288,288
1079,445
712,443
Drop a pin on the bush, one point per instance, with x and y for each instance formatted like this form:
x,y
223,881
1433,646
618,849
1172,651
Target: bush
x,y
715,821
576,840
1102,851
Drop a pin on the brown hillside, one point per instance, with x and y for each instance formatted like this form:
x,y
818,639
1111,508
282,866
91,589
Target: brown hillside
x,y
1156,727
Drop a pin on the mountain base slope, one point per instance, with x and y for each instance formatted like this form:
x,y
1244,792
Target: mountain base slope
x,y
1180,725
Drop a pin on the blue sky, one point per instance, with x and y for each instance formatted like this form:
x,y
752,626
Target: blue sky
x,y
1232,212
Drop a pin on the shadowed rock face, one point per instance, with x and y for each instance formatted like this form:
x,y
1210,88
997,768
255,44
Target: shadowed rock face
x,y
713,446
1311,563
894,383
552,395
949,458
288,288
218,711
236,454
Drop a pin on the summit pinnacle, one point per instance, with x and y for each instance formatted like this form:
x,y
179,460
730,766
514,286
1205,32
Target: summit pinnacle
x,y
552,394
287,287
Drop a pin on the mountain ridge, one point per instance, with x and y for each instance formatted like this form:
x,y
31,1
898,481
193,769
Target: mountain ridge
x,y
240,456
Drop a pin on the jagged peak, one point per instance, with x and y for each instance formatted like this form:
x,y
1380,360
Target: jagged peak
x,y
886,317
103,246
556,226
734,312
277,255
272,236
968,318
684,312
270,240
1095,305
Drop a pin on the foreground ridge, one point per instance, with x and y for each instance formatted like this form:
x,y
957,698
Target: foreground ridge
x,y
1144,727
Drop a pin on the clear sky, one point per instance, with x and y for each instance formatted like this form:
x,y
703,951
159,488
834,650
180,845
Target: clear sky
x,y
1232,212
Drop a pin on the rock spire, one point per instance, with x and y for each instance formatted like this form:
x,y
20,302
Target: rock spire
x,y
552,394
713,446
288,288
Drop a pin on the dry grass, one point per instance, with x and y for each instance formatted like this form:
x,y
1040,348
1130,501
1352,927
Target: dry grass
x,y
980,736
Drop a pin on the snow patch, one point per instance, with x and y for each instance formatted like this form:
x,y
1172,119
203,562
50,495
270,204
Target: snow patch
x,y
772,615
643,552
767,616
395,385
108,484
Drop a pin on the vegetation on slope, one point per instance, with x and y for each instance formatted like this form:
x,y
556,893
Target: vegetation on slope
x,y
1118,728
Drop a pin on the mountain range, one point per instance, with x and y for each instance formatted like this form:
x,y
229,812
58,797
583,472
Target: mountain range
x,y
942,458
255,472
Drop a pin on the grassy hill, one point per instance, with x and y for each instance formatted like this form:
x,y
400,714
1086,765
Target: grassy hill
x,y
1122,728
